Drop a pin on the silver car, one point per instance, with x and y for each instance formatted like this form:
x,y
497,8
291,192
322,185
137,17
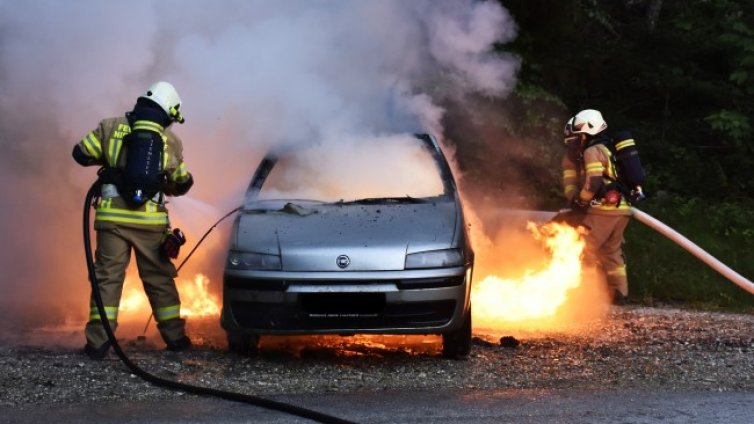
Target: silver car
x,y
364,238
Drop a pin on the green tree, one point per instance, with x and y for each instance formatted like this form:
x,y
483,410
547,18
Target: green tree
x,y
677,74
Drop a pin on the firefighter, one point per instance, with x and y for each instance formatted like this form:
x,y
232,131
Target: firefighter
x,y
130,217
589,180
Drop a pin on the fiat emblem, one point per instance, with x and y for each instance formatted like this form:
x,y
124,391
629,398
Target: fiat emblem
x,y
343,261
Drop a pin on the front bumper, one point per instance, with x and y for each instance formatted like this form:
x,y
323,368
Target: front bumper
x,y
387,302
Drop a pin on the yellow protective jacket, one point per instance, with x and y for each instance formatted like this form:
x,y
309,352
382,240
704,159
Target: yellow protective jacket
x,y
585,180
104,145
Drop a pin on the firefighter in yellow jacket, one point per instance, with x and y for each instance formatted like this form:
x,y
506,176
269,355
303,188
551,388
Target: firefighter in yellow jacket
x,y
142,163
589,180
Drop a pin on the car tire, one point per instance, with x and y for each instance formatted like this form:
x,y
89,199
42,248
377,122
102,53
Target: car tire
x,y
243,344
457,344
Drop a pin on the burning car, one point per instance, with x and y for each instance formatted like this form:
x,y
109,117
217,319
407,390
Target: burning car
x,y
358,238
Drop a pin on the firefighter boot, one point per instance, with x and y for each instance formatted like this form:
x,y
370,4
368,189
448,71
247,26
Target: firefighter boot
x,y
174,335
96,353
618,298
184,343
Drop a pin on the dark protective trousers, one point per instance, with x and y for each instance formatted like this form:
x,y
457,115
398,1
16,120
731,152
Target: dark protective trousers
x,y
114,245
604,246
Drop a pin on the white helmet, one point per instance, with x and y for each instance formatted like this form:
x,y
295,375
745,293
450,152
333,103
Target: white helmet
x,y
164,94
588,121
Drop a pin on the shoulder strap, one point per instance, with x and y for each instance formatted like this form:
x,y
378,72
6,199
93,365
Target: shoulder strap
x,y
605,140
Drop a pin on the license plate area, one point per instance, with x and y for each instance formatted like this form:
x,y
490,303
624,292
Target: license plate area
x,y
343,305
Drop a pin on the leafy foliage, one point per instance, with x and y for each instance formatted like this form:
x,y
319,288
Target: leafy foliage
x,y
683,84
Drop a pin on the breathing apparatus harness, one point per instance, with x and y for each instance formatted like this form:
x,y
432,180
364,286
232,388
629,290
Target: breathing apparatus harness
x,y
624,157
91,197
143,175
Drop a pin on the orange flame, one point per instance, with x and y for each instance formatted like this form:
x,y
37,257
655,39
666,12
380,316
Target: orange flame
x,y
536,296
196,299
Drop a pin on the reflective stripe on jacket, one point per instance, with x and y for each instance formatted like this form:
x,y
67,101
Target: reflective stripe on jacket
x,y
598,169
105,145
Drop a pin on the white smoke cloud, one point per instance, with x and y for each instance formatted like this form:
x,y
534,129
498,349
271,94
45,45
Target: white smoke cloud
x,y
382,166
252,74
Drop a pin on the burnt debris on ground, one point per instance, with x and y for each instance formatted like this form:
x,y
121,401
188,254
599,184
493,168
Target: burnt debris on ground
x,y
633,348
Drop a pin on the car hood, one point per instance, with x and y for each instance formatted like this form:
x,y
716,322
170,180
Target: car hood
x,y
374,237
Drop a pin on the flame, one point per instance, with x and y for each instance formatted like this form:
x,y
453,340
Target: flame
x,y
553,289
133,301
537,295
356,345
196,299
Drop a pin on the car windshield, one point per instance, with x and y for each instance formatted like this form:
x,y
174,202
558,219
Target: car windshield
x,y
390,169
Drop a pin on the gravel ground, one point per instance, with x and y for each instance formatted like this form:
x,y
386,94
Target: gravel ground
x,y
633,348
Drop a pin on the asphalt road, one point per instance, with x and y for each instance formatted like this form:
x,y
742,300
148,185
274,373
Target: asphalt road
x,y
437,406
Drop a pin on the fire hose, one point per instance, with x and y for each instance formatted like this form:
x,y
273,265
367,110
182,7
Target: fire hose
x,y
694,249
176,385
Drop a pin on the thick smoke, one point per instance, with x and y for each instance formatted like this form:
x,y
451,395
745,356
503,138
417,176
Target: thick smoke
x,y
390,166
252,75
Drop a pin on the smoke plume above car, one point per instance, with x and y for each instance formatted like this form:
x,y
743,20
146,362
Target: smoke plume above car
x,y
253,75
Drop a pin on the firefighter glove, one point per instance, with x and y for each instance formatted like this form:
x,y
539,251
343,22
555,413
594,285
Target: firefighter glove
x,y
171,246
579,205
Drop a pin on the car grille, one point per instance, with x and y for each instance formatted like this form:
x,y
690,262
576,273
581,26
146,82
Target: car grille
x,y
353,311
262,284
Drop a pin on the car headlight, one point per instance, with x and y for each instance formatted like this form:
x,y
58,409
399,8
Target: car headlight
x,y
244,260
434,259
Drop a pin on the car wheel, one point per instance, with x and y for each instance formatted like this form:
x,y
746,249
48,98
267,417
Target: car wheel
x,y
243,344
457,344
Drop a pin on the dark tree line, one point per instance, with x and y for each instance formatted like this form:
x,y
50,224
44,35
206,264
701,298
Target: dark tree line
x,y
680,75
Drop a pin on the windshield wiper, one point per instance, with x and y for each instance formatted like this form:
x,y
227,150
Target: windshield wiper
x,y
273,205
380,200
